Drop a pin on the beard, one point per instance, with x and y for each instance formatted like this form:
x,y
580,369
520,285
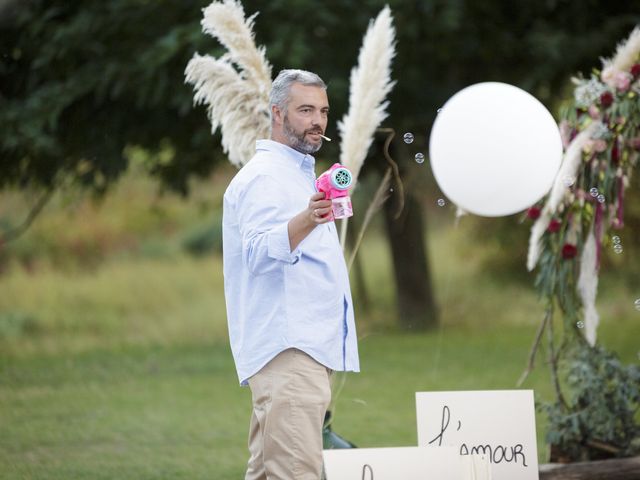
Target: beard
x,y
297,140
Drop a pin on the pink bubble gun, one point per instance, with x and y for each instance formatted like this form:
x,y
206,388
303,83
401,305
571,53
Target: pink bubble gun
x,y
335,183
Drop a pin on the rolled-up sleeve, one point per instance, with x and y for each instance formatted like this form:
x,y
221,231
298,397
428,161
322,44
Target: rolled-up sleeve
x,y
264,226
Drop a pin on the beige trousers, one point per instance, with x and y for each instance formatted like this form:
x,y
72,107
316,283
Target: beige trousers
x,y
290,396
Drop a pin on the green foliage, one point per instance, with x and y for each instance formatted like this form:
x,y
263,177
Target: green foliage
x,y
204,239
605,395
593,202
602,409
78,231
557,278
82,80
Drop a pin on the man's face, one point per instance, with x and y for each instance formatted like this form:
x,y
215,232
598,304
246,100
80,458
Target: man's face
x,y
306,117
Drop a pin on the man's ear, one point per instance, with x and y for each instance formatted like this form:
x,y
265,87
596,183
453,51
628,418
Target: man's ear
x,y
277,114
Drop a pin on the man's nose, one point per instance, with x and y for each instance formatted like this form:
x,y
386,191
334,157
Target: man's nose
x,y
318,118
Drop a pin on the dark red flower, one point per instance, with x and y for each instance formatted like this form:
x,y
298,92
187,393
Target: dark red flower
x,y
569,251
533,213
615,153
554,225
635,70
606,99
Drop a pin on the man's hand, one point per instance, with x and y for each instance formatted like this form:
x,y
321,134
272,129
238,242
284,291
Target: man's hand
x,y
317,212
319,209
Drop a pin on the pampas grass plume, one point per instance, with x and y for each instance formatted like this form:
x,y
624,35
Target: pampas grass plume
x,y
370,83
236,86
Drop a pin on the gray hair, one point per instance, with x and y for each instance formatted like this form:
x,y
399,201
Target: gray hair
x,y
282,85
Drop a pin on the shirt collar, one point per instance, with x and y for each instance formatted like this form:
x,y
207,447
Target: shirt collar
x,y
303,160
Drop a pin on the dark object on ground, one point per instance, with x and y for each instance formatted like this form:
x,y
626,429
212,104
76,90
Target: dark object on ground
x,y
330,439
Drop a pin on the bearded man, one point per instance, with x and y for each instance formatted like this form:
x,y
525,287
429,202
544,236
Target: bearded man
x,y
289,306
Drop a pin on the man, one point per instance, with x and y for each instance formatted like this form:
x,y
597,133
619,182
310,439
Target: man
x,y
289,304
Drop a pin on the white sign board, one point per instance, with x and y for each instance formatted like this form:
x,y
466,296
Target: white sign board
x,y
406,463
499,424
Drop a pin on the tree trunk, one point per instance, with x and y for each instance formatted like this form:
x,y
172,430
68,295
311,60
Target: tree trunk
x,y
416,303
613,469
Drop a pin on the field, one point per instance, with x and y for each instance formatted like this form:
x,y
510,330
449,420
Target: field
x,y
114,361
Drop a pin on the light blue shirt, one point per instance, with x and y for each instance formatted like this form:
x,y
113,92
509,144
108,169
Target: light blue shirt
x,y
278,298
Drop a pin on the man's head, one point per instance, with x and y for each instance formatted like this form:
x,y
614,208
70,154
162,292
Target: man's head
x,y
299,110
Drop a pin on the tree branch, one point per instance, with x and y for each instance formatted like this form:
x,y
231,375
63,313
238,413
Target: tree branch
x,y
394,167
378,199
534,347
14,233
553,363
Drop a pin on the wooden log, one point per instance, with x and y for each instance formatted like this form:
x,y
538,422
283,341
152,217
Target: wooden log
x,y
613,469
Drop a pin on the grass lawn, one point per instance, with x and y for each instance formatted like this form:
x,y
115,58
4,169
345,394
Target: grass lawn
x,y
176,411
123,370
138,412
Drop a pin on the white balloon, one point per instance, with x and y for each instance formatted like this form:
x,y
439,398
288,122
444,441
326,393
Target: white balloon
x,y
494,149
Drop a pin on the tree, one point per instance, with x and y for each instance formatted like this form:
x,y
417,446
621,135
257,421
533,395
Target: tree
x,y
81,81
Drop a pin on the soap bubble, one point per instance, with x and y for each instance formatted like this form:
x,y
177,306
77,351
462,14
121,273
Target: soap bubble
x,y
637,304
601,198
616,240
617,248
408,137
580,324
419,157
594,192
441,202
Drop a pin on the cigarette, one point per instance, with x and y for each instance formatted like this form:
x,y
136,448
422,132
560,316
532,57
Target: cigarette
x,y
325,138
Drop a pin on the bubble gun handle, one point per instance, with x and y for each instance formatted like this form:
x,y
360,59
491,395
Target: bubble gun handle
x,y
335,183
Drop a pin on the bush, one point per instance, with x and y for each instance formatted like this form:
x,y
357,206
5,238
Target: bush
x,y
599,419
16,325
204,238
